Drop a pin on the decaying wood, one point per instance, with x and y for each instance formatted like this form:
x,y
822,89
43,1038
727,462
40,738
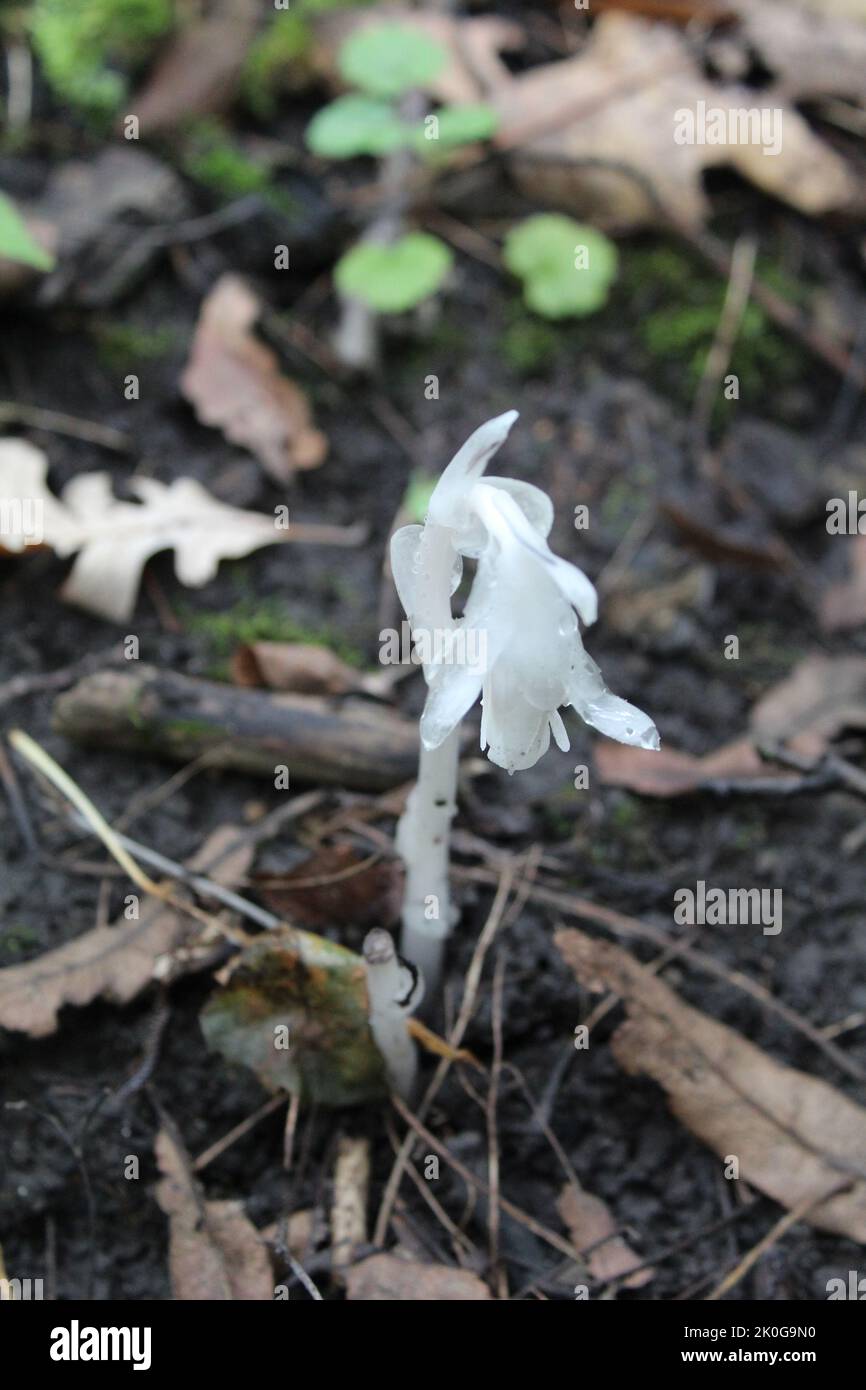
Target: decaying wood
x,y
351,743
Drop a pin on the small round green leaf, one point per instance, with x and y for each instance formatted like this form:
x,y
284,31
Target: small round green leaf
x,y
454,126
394,278
354,125
566,267
389,59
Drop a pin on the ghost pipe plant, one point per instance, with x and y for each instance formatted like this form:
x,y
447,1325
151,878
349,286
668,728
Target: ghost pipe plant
x,y
518,646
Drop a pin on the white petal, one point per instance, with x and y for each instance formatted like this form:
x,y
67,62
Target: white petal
x,y
452,693
466,468
558,729
535,504
404,565
608,713
506,521
515,733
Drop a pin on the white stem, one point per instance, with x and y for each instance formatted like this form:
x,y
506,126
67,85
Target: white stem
x,y
423,840
392,993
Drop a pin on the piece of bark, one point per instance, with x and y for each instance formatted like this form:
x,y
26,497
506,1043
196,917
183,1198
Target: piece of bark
x,y
162,713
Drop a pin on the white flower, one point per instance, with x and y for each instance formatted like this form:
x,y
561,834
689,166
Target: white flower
x,y
522,602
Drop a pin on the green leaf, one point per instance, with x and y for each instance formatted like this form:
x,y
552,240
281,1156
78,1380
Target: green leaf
x,y
394,278
295,987
16,242
354,125
454,126
389,59
566,267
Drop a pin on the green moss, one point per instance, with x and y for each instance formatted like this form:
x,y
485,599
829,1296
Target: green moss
x,y
80,42
529,346
258,620
677,303
282,46
119,343
212,158
17,941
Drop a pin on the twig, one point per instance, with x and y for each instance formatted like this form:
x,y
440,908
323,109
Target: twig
x,y
730,321
56,422
497,1273
219,1147
773,1235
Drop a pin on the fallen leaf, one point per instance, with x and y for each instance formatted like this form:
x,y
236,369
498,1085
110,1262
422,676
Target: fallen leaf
x,y
297,666
294,1011
215,1253
114,962
843,605
796,1138
336,887
389,1277
822,696
668,772
235,383
115,539
593,1230
810,52
200,68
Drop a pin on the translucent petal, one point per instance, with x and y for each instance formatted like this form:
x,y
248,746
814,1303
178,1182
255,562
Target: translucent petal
x,y
452,693
608,713
448,503
404,564
535,504
558,729
505,520
515,733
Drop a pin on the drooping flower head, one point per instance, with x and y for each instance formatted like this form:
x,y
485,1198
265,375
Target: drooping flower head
x,y
527,658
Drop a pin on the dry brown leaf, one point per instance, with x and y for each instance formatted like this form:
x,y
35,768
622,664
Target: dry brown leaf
x,y
235,383
593,1230
813,50
615,104
215,1253
115,539
335,886
668,772
843,605
796,1138
821,697
114,962
296,666
388,1277
199,70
